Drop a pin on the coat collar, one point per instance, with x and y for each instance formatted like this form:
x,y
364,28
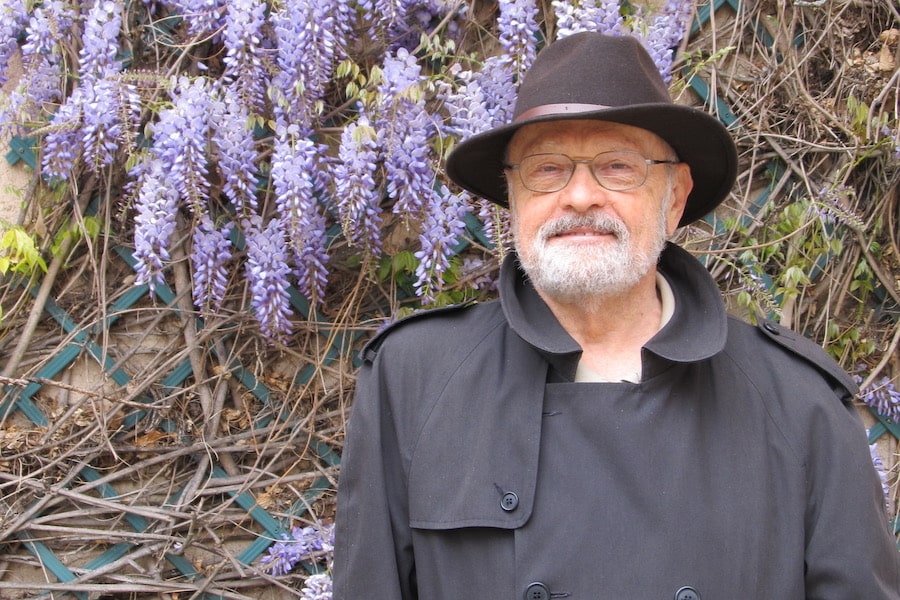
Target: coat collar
x,y
696,331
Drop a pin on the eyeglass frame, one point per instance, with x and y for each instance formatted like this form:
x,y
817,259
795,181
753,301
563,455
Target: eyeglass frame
x,y
590,162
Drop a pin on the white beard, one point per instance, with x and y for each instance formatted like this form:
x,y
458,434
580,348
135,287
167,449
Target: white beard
x,y
570,273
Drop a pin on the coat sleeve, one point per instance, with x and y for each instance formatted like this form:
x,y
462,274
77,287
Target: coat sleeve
x,y
373,546
850,551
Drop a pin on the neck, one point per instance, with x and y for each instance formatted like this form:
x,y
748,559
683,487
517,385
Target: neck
x,y
612,329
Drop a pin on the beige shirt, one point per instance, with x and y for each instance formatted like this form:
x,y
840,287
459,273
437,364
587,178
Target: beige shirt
x,y
585,374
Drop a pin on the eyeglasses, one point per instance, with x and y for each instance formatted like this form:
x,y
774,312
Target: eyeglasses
x,y
617,171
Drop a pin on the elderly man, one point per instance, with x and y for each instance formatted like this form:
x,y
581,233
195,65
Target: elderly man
x,y
604,430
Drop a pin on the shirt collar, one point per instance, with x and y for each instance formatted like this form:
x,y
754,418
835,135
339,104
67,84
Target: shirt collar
x,y
696,330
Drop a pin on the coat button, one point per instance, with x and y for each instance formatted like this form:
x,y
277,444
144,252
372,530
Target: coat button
x,y
687,593
509,502
537,591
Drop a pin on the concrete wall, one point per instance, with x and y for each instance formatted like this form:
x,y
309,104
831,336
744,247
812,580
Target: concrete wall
x,y
13,179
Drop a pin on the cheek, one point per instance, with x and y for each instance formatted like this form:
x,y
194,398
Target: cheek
x,y
525,220
643,226
519,208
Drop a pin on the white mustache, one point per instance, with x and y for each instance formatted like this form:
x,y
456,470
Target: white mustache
x,y
596,221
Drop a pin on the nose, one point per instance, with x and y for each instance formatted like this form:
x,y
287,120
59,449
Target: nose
x,y
583,191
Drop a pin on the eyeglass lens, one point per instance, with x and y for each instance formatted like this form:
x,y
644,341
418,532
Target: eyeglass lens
x,y
616,171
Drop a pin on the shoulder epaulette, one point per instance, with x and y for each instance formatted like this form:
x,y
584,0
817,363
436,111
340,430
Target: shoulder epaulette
x,y
808,350
370,350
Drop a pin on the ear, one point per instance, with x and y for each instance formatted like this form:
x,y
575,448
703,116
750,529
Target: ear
x,y
682,184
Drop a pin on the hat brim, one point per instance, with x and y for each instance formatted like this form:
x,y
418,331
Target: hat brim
x,y
699,139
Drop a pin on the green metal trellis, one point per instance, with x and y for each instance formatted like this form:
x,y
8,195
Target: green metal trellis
x,y
81,342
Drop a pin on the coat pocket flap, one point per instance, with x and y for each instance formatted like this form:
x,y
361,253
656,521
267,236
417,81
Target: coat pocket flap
x,y
475,464
475,460
445,502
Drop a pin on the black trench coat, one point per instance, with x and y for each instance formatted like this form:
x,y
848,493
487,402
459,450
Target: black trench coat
x,y
736,469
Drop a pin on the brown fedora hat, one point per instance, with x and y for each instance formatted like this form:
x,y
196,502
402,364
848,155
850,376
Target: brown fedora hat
x,y
608,78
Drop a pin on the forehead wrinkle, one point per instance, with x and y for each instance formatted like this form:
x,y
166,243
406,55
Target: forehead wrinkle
x,y
567,137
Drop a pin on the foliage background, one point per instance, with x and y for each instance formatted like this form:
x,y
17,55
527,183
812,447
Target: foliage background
x,y
174,405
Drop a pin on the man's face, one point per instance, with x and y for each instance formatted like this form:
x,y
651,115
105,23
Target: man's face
x,y
585,240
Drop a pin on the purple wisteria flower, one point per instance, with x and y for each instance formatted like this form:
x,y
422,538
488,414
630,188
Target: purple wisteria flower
x,y
317,587
892,137
883,397
63,145
878,463
384,20
243,60
41,83
180,138
604,16
297,177
440,234
518,29
357,194
235,150
13,17
478,273
665,32
204,17
482,100
42,77
401,78
111,113
312,543
311,256
211,250
90,126
404,22
99,43
754,287
312,37
49,26
404,128
833,206
268,274
407,160
156,207
495,223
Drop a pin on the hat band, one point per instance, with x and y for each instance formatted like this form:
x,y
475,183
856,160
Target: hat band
x,y
558,109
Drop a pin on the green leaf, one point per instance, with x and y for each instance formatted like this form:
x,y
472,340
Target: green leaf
x,y
405,261
21,252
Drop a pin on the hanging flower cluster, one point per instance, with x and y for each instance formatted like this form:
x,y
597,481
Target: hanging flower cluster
x,y
13,17
296,175
243,38
878,463
257,147
517,24
482,99
314,544
660,32
588,15
665,32
204,18
883,397
356,189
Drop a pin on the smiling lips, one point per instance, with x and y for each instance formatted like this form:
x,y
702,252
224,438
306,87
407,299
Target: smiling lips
x,y
583,232
583,228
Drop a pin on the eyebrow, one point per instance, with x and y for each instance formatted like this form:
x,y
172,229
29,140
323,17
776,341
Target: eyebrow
x,y
541,145
555,146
